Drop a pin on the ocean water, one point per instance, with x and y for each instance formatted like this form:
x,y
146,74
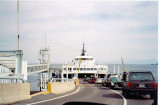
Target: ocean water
x,y
131,67
34,79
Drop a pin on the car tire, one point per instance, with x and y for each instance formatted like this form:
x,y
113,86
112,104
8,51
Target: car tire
x,y
104,84
123,92
127,94
112,87
152,95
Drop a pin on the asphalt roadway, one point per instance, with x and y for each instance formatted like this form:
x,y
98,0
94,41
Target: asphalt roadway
x,y
88,95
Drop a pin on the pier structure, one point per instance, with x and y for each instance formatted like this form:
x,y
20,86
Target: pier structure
x,y
14,72
12,66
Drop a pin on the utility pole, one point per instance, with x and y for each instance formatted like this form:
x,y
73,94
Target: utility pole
x,y
18,21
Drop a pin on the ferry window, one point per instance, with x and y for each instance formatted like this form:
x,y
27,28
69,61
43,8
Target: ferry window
x,y
64,68
95,68
91,68
101,68
90,58
88,68
81,68
84,68
74,68
69,69
105,69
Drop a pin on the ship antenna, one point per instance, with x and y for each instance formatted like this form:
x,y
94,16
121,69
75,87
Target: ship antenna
x,y
45,41
83,50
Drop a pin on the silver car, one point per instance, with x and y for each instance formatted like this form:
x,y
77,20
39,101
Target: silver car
x,y
99,81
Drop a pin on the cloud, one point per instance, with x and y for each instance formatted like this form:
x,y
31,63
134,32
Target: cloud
x,y
109,29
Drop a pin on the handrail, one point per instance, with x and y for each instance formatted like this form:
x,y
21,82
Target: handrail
x,y
60,80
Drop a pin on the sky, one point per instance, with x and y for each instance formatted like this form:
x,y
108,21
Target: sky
x,y
109,29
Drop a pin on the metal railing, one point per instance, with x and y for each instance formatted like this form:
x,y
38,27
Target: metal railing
x,y
61,80
4,68
12,79
31,69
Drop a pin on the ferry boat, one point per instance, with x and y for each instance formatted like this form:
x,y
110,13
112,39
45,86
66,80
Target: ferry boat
x,y
84,66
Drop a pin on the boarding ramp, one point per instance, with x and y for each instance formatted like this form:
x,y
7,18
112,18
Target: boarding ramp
x,y
33,69
12,68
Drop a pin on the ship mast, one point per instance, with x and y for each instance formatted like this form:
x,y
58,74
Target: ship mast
x,y
83,51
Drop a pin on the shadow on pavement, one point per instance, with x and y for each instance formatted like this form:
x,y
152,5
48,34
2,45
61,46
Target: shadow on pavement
x,y
102,88
138,97
83,103
117,89
34,92
112,95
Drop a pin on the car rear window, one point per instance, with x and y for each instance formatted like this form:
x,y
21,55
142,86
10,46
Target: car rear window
x,y
141,76
115,79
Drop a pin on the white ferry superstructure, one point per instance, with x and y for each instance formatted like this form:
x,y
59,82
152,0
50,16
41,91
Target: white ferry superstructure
x,y
84,66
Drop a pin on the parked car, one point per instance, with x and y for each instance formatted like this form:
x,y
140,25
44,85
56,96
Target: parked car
x,y
114,82
98,81
139,82
92,80
105,81
86,79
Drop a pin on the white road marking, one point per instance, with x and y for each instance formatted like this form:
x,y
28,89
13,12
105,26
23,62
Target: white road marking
x,y
125,101
92,87
54,98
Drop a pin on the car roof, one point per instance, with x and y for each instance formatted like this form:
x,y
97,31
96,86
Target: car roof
x,y
113,76
139,71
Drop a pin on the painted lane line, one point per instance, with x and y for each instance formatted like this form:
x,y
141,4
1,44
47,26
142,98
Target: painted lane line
x,y
125,101
93,87
54,98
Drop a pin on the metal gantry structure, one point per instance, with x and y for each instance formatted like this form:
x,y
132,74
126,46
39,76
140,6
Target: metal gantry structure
x,y
11,66
14,70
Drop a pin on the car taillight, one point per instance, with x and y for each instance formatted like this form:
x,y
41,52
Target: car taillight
x,y
107,80
128,85
155,85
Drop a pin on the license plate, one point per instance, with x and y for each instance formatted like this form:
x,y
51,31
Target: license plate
x,y
141,85
116,85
